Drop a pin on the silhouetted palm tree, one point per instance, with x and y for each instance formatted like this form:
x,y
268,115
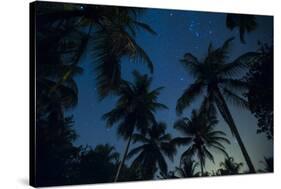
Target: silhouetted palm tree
x,y
151,154
245,23
134,109
107,31
229,167
216,78
201,137
187,168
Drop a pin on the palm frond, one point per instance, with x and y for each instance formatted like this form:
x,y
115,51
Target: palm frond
x,y
145,27
235,99
191,64
189,95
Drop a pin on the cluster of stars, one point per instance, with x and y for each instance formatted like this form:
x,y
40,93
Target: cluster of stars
x,y
196,29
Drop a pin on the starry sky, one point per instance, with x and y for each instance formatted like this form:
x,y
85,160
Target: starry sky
x,y
178,32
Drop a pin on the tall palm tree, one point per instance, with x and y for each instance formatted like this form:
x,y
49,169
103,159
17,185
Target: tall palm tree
x,y
187,168
245,23
217,79
107,31
151,154
134,109
200,136
229,167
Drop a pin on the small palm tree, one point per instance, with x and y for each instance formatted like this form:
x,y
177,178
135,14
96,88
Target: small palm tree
x,y
230,167
201,137
134,109
187,168
245,23
151,154
218,80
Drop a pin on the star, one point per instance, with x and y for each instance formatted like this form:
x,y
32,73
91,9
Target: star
x,y
181,79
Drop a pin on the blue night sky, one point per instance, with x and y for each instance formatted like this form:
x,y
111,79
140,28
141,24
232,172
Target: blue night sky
x,y
178,32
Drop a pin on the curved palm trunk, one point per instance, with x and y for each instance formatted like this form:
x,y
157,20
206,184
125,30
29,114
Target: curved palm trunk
x,y
123,159
223,108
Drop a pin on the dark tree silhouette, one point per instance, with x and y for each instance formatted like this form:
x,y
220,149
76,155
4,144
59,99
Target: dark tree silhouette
x,y
107,32
268,165
64,32
260,94
96,165
187,168
200,136
245,23
229,167
55,153
151,154
134,109
214,76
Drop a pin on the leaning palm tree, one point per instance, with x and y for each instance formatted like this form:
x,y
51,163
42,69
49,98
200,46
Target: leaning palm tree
x,y
134,109
230,167
245,23
187,168
151,154
200,136
217,79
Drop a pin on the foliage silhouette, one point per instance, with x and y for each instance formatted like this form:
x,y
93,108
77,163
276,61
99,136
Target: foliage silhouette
x,y
187,168
200,136
134,109
96,165
245,23
268,164
151,154
229,167
259,78
216,78
107,32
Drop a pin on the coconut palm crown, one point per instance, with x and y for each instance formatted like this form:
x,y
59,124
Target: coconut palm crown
x,y
217,79
134,109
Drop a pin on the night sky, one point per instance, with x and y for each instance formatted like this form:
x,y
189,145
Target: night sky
x,y
178,32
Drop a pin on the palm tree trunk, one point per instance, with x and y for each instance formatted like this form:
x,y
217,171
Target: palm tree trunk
x,y
201,165
223,108
123,159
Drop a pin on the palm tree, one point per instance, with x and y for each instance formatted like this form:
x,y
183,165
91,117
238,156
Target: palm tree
x,y
217,79
134,109
151,154
107,31
187,168
230,167
200,134
245,23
